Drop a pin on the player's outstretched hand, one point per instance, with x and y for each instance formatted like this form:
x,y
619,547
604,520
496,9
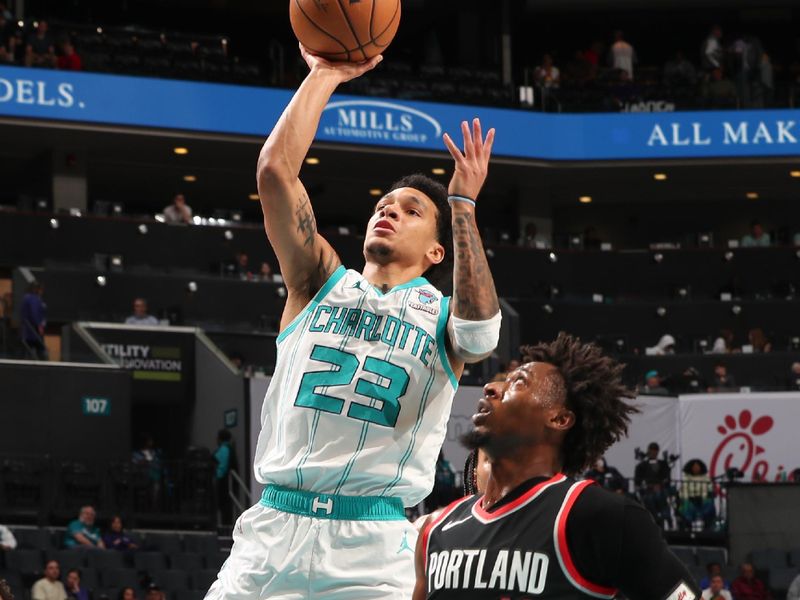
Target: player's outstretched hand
x,y
344,71
472,166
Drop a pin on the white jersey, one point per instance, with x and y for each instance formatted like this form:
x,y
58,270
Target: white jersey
x,y
361,394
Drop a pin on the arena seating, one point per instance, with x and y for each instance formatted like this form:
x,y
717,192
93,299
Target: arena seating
x,y
183,564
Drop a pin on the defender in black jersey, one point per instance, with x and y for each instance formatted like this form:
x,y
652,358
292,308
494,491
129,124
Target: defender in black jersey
x,y
534,532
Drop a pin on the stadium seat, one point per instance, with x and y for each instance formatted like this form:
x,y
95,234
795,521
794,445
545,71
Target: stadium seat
x,y
25,561
202,580
711,555
69,559
150,561
168,543
214,561
764,560
794,557
780,578
187,561
106,594
112,559
686,556
89,578
171,580
190,594
119,578
201,544
32,539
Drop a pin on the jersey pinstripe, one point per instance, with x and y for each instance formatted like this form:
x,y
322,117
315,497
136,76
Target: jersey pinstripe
x,y
361,394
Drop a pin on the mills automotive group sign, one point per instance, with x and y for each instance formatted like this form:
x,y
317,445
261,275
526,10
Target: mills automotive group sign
x,y
250,111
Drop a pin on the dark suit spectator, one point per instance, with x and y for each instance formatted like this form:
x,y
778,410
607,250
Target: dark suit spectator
x,y
69,60
748,587
652,481
34,319
82,532
722,381
73,586
116,538
606,476
39,48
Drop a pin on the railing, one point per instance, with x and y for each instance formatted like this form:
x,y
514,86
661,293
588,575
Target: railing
x,y
169,493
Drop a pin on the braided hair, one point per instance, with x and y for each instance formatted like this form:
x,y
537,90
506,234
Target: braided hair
x,y
471,474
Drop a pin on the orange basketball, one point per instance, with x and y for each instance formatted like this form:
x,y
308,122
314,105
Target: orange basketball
x,y
345,30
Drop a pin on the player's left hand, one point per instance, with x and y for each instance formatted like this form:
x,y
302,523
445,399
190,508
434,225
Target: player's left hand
x,y
472,166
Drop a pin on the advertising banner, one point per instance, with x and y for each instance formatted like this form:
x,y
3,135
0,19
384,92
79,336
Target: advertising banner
x,y
253,111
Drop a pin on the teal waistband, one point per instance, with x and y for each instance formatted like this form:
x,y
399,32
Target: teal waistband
x,y
328,506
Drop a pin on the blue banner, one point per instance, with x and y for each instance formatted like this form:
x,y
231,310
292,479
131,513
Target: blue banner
x,y
251,111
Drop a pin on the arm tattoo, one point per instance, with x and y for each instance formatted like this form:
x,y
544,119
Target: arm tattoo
x,y
473,287
306,224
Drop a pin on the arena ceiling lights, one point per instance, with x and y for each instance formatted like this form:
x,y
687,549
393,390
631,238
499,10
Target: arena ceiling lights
x,y
585,199
660,177
180,151
795,174
312,160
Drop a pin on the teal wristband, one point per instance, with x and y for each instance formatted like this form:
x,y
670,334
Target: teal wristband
x,y
462,199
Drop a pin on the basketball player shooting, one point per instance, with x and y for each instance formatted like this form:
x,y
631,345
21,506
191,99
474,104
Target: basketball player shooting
x,y
530,529
368,364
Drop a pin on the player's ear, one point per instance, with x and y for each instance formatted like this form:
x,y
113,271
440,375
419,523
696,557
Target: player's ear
x,y
563,419
435,253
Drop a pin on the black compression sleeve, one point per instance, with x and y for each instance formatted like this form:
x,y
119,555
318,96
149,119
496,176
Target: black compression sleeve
x,y
615,543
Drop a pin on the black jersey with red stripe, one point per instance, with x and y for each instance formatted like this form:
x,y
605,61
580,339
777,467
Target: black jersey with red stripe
x,y
516,552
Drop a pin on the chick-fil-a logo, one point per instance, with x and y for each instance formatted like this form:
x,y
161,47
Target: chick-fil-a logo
x,y
739,448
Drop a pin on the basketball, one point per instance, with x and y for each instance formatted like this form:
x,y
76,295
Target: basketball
x,y
345,30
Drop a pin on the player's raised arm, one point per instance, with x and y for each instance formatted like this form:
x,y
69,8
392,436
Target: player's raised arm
x,y
474,325
305,258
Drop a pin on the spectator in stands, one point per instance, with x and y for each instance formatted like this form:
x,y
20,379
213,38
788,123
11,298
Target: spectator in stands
x,y
140,316
39,48
82,533
757,238
719,92
5,590
794,589
606,476
664,347
713,569
225,457
716,590
580,70
653,385
711,56
793,381
127,593
34,319
652,476
149,456
4,12
759,341
531,238
73,586
724,342
266,274
49,587
723,381
178,213
153,593
242,266
547,75
7,539
747,586
697,495
116,538
765,91
7,41
679,71
622,56
69,60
